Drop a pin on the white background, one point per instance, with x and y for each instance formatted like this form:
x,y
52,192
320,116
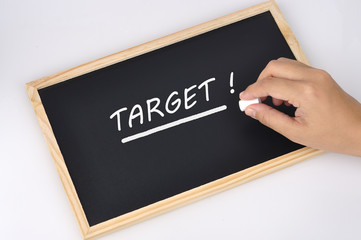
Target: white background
x,y
317,199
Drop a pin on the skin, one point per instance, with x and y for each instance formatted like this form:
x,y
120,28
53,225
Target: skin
x,y
326,117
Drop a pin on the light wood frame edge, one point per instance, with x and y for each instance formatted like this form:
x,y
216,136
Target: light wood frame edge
x,y
185,197
202,192
287,33
150,46
58,159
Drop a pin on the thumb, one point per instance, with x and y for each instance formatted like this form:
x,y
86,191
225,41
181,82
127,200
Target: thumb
x,y
272,118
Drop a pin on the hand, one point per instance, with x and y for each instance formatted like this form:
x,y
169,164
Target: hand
x,y
326,117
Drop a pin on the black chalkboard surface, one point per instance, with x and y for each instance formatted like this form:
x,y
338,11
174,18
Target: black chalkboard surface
x,y
167,121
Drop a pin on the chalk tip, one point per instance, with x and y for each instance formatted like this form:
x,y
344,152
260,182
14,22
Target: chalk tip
x,y
243,104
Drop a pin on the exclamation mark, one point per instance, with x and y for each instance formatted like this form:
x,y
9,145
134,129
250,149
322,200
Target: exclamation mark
x,y
231,82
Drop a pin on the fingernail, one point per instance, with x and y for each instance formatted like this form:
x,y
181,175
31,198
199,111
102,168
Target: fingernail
x,y
250,112
240,95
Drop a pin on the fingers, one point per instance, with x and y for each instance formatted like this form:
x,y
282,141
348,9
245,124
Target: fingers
x,y
284,81
274,119
279,89
279,80
287,69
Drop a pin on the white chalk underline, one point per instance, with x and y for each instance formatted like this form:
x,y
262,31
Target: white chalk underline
x,y
175,123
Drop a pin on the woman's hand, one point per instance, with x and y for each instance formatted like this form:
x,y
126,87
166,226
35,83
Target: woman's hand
x,y
326,117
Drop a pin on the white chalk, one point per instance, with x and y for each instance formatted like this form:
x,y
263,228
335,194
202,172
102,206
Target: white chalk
x,y
243,104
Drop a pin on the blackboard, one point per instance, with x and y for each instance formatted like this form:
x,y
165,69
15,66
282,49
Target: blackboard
x,y
151,127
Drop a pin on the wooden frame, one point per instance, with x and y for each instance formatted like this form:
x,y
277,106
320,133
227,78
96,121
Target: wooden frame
x,y
185,197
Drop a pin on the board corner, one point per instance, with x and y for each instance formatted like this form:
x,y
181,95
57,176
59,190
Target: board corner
x,y
287,33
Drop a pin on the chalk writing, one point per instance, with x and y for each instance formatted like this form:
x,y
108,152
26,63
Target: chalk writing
x,y
172,104
174,101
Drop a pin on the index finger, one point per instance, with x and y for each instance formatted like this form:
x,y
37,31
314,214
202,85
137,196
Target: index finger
x,y
283,89
286,69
